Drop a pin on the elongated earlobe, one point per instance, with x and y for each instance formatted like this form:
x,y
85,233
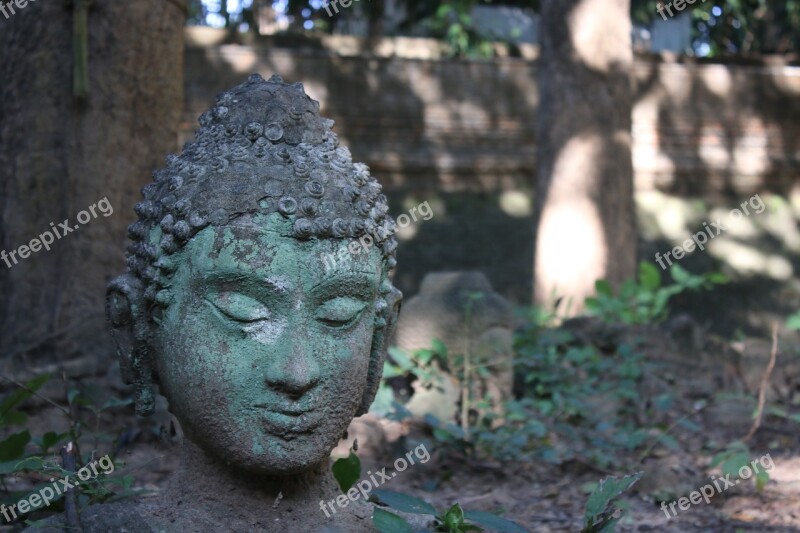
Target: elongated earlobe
x,y
129,329
386,320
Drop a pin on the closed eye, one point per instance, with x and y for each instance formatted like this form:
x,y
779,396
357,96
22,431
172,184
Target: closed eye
x,y
340,312
238,307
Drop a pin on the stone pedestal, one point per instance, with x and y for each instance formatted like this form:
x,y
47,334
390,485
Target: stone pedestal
x,y
462,310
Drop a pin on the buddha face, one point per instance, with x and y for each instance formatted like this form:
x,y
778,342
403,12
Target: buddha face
x,y
263,352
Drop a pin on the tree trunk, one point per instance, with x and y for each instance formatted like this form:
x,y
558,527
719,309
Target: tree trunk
x,y
584,211
375,15
60,154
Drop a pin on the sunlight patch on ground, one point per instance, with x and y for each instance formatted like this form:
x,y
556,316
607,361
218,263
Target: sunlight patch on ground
x,y
782,495
516,204
741,245
240,59
664,216
746,259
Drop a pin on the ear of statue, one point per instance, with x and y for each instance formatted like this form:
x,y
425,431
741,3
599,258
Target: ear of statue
x,y
126,313
384,332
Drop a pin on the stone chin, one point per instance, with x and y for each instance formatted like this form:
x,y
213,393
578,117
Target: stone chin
x,y
274,454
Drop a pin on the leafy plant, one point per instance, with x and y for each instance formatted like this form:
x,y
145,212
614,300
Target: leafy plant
x,y
595,418
427,365
453,22
348,470
453,520
645,301
602,514
17,460
589,417
735,457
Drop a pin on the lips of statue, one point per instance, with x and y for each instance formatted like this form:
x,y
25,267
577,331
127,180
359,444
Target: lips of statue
x,y
263,353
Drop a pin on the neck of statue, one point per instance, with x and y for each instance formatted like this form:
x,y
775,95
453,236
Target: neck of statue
x,y
223,493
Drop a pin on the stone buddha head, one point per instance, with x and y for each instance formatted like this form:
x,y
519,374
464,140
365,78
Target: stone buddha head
x,y
264,354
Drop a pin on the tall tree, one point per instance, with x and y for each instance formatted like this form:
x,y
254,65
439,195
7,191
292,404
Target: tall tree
x,y
89,104
584,207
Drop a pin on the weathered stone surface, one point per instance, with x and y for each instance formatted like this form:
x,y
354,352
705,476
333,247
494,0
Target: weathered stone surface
x,y
462,310
264,354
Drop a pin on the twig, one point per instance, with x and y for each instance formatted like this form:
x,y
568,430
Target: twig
x,y
277,500
48,400
591,466
471,499
646,453
762,390
71,495
72,415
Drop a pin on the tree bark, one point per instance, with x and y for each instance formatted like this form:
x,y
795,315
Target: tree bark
x,y
60,154
584,210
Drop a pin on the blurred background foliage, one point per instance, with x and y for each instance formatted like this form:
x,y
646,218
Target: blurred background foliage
x,y
732,27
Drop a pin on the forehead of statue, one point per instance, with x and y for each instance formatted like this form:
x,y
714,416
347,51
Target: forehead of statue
x,y
266,253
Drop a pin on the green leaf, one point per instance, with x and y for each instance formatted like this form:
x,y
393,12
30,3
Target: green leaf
x,y
386,522
444,10
606,492
382,405
762,477
734,462
423,357
50,439
14,418
14,446
603,287
402,502
347,470
72,393
29,463
627,290
680,275
494,522
717,278
793,322
439,347
454,518
19,394
649,276
663,402
392,371
401,358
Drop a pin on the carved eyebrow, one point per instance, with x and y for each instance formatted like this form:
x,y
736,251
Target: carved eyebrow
x,y
276,284
362,283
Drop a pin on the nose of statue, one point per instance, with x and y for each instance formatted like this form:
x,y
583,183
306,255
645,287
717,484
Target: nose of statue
x,y
295,372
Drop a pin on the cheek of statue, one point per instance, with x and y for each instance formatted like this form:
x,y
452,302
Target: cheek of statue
x,y
264,363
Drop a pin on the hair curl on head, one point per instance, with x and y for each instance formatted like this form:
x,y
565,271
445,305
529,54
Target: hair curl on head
x,y
263,148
